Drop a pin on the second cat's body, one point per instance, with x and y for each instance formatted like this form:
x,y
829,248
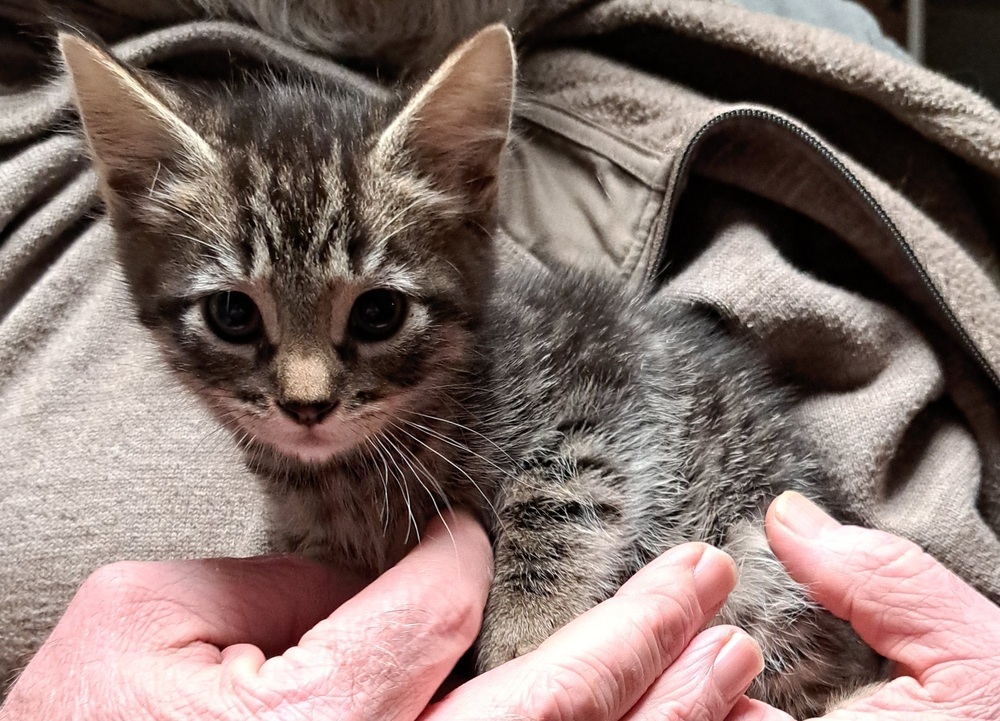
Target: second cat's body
x,y
321,268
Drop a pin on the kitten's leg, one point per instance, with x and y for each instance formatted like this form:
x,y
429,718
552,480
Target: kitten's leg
x,y
560,548
812,659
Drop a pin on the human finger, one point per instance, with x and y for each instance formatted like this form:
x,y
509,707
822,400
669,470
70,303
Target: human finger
x,y
901,601
385,652
706,681
748,709
140,636
267,601
599,665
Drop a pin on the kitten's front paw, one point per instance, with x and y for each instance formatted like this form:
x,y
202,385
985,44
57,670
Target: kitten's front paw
x,y
503,641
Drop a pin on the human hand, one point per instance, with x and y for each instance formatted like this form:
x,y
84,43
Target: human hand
x,y
942,635
280,637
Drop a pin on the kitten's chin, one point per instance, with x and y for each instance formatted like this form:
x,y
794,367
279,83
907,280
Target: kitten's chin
x,y
309,450
314,446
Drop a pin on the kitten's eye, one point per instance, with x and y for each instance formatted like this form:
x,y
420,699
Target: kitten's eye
x,y
233,317
377,314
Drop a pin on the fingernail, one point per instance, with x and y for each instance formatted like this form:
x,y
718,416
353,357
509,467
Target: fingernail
x,y
801,516
714,578
737,664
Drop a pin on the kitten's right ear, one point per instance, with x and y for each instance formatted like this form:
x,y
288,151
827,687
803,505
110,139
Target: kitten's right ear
x,y
131,130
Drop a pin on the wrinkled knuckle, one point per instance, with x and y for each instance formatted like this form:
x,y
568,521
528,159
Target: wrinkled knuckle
x,y
454,616
884,564
128,599
965,685
123,581
890,555
244,697
567,693
410,623
694,693
654,629
687,710
669,620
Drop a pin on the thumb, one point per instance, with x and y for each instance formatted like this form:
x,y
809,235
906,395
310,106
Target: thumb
x,y
900,601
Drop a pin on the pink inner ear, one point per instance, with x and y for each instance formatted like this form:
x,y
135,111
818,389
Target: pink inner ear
x,y
126,124
456,125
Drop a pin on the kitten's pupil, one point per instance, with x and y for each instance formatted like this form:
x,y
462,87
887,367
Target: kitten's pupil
x,y
233,316
377,314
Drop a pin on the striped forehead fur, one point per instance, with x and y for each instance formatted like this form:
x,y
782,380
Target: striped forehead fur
x,y
326,197
303,210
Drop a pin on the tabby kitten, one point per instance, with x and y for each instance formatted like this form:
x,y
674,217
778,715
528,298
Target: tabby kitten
x,y
321,268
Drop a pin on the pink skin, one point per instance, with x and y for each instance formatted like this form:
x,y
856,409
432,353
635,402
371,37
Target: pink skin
x,y
282,638
942,635
278,637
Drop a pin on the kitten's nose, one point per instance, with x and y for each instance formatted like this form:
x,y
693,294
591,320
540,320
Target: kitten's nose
x,y
308,414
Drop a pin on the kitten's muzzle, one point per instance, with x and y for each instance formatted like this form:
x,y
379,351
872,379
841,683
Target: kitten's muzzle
x,y
307,414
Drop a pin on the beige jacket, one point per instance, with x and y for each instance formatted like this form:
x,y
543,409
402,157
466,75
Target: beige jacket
x,y
833,202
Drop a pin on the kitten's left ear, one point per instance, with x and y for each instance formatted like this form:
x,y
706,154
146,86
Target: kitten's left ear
x,y
456,126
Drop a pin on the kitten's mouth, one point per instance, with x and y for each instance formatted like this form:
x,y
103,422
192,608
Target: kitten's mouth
x,y
316,444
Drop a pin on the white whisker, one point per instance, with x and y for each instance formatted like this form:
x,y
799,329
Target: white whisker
x,y
404,489
427,474
457,467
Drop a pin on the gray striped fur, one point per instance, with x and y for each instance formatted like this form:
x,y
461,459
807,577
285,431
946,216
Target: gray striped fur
x,y
590,427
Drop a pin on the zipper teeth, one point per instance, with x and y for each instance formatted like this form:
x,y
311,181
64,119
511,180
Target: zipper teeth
x,y
855,183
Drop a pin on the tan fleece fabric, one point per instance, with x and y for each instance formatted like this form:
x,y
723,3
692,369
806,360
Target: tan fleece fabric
x,y
832,202
881,383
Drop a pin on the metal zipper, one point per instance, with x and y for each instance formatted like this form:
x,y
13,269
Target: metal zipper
x,y
816,144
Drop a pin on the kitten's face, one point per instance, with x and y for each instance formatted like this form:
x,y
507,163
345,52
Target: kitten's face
x,y
321,311
312,261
